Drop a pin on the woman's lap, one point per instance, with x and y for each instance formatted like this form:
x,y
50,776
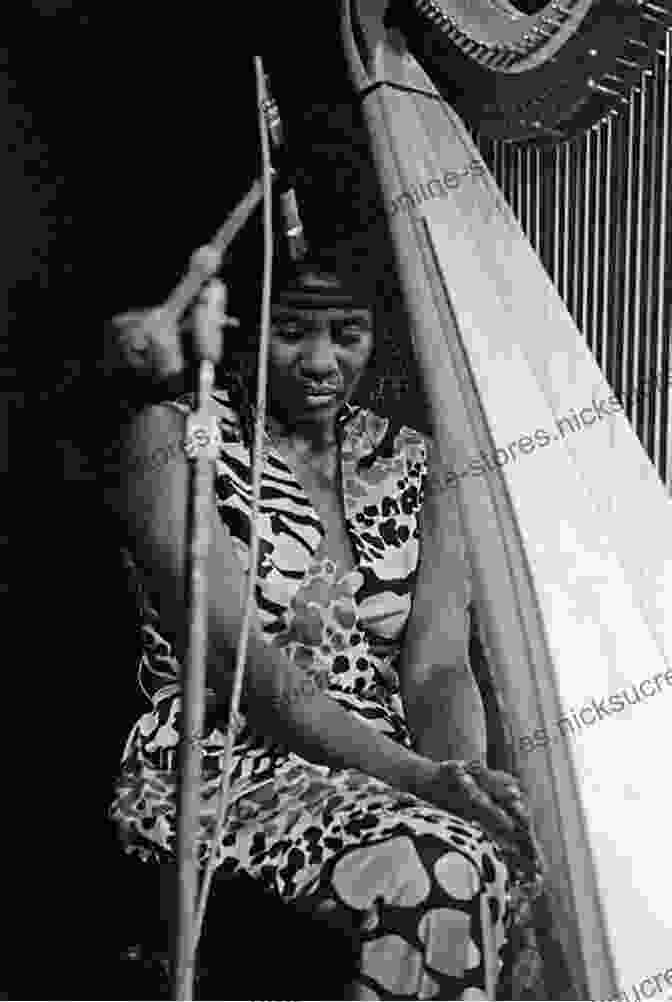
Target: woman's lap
x,y
423,893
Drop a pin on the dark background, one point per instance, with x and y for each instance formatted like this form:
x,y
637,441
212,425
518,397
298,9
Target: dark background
x,y
131,135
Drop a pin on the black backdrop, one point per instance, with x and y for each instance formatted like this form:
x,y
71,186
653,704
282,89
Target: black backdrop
x,y
132,134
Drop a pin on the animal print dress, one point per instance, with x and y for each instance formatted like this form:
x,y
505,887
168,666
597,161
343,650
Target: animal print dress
x,y
426,894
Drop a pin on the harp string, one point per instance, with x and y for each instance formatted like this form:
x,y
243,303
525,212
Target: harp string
x,y
598,211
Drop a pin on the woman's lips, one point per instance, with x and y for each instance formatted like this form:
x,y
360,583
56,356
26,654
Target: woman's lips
x,y
320,399
320,395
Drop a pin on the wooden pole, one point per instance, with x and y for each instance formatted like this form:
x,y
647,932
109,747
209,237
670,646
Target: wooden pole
x,y
200,444
206,261
257,464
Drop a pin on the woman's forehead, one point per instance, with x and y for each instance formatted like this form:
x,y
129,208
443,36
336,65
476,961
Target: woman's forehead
x,y
317,310
315,288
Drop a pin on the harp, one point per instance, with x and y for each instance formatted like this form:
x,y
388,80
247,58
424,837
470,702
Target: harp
x,y
535,267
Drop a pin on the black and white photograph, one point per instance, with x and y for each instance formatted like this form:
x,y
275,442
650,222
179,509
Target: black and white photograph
x,y
345,392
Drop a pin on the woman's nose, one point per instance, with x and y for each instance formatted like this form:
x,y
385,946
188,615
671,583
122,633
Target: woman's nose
x,y
318,359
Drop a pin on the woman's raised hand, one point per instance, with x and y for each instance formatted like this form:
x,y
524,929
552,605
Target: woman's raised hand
x,y
147,342
152,344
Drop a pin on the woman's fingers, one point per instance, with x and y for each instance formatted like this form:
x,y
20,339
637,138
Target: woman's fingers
x,y
457,790
496,812
165,343
148,342
501,783
126,341
488,809
504,789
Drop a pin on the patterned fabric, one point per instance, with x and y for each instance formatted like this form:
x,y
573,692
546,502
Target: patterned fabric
x,y
425,893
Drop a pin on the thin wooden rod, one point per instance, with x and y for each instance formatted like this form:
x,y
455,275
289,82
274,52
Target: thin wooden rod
x,y
203,266
255,540
193,683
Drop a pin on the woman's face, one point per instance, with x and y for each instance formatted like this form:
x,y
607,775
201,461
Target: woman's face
x,y
317,356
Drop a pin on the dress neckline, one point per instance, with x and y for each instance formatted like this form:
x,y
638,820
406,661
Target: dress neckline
x,y
321,553
359,432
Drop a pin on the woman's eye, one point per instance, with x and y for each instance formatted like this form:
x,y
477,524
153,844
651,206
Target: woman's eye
x,y
350,333
353,326
291,332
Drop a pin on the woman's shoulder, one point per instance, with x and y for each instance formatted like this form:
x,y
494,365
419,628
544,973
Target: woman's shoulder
x,y
390,435
161,425
222,406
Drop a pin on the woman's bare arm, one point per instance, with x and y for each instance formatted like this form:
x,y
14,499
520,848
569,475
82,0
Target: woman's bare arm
x,y
441,696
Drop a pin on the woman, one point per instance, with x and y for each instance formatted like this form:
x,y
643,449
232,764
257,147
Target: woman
x,y
360,791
